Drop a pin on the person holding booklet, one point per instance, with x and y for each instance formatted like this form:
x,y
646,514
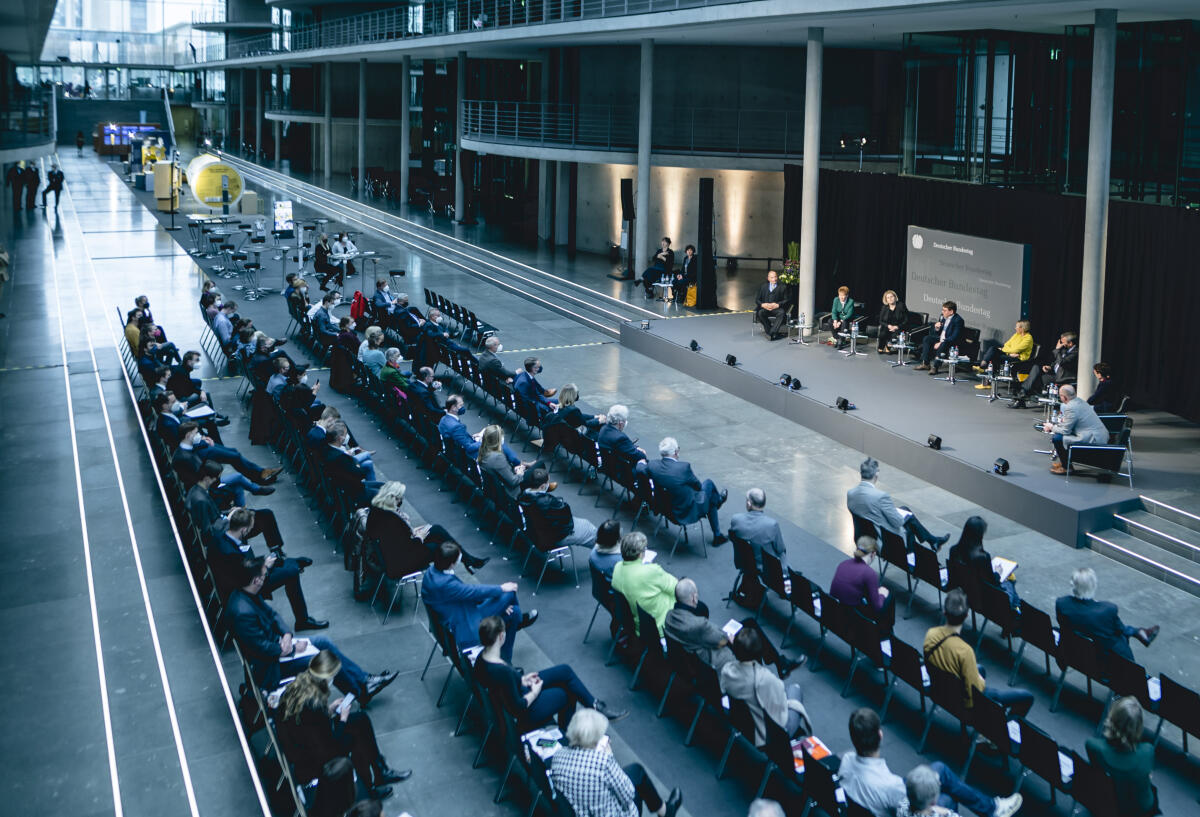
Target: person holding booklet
x,y
970,566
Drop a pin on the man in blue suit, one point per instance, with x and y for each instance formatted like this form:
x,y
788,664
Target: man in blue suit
x,y
690,498
525,384
1098,620
454,431
462,606
945,333
612,436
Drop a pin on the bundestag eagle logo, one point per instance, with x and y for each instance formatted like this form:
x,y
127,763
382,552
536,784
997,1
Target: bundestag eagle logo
x,y
918,241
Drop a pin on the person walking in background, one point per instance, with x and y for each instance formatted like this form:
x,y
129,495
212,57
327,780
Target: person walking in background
x,y
54,184
79,143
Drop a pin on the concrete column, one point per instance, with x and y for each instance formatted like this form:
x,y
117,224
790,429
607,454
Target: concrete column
x,y
460,192
405,125
225,130
362,122
642,249
812,170
562,202
241,109
327,131
276,126
258,111
908,141
546,171
1095,220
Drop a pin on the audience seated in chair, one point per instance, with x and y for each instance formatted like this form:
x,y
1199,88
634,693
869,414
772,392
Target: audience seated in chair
x,y
490,365
876,506
767,696
392,527
551,514
526,385
606,553
643,585
1098,620
494,458
691,499
1127,759
969,566
856,584
569,414
612,435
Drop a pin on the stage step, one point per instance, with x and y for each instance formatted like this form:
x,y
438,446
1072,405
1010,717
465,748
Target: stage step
x,y
1140,554
1184,511
1161,532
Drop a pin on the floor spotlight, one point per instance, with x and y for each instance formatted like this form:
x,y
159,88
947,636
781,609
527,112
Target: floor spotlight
x,y
844,404
785,380
935,442
695,347
1000,466
795,384
731,360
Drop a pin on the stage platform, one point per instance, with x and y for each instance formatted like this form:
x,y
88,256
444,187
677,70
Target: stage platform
x,y
898,408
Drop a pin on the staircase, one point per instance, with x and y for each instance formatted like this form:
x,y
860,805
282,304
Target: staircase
x,y
1160,540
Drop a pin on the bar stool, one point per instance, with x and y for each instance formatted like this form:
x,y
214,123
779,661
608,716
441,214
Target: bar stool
x,y
214,242
250,289
230,271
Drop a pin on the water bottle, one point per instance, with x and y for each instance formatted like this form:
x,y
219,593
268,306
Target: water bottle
x,y
1007,370
954,353
854,331
903,339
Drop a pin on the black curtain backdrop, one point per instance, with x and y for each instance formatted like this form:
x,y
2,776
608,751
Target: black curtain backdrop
x,y
1152,290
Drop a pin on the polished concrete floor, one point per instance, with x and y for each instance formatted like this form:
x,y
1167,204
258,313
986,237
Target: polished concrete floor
x,y
106,244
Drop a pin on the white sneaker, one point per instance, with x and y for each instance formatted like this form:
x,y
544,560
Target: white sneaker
x,y
1008,806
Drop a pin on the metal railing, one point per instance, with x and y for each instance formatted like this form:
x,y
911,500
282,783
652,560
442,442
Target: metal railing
x,y
27,119
749,132
426,18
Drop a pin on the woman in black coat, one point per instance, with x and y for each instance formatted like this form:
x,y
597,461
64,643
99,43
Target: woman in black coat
x,y
893,318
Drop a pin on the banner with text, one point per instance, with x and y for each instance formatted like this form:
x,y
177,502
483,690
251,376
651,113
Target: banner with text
x,y
989,280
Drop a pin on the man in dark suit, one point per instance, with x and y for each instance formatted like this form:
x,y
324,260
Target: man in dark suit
x,y
322,319
1098,620
462,606
612,436
490,365
690,498
1059,371
428,340
205,510
526,385
423,388
356,478
204,449
170,414
946,333
229,549
188,466
771,306
271,649
455,432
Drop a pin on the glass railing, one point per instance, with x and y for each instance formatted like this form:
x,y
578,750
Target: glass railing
x,y
26,119
440,17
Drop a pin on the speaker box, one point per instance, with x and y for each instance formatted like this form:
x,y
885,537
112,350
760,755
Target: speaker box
x,y
627,213
706,282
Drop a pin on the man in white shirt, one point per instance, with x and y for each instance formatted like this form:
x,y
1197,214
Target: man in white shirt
x,y
868,781
342,245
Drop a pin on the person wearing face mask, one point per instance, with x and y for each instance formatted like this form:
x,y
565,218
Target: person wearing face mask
x,y
490,365
184,382
322,318
298,297
525,384
383,301
454,431
170,416
423,390
428,338
344,246
197,448
230,489
324,268
392,372
298,398
357,479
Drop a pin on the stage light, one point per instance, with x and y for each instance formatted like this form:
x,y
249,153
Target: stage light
x,y
935,442
1000,466
785,380
731,360
795,384
695,347
844,404
645,324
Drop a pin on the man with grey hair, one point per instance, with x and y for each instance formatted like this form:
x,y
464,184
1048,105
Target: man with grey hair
x,y
691,499
922,789
765,808
490,365
876,506
1098,620
760,531
612,435
688,623
1078,423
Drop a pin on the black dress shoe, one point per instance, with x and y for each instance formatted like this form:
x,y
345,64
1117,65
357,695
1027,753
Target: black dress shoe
x,y
475,563
384,774
1017,403
719,540
608,712
938,541
376,683
311,623
674,801
221,421
264,491
787,665
527,619
303,561
724,495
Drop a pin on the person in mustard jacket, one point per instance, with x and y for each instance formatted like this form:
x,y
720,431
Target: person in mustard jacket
x,y
1016,350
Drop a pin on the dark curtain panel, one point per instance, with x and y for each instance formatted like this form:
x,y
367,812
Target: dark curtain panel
x,y
1151,288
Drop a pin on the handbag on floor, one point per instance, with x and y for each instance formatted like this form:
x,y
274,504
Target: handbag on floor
x,y
690,298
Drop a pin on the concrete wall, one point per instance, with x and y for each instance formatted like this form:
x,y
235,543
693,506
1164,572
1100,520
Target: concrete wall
x,y
747,205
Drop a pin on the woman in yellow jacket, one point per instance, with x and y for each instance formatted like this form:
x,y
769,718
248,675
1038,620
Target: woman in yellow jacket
x,y
1016,350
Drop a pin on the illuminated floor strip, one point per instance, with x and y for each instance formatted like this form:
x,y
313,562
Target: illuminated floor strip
x,y
564,346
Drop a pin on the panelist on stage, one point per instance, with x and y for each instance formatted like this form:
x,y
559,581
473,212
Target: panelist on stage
x,y
1061,370
663,264
771,306
892,320
688,272
1016,350
946,333
842,312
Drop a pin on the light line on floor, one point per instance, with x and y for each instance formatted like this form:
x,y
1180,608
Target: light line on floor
x,y
564,346
105,710
214,652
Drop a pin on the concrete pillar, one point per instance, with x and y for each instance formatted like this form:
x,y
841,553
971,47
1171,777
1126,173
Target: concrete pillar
x,y
362,122
276,126
546,171
225,129
258,111
562,202
1095,220
241,110
812,172
460,192
405,125
908,142
327,131
642,249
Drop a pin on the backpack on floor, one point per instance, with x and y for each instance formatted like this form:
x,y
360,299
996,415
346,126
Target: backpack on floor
x,y
358,307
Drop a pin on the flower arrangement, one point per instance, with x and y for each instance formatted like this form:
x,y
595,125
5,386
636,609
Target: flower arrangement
x,y
791,265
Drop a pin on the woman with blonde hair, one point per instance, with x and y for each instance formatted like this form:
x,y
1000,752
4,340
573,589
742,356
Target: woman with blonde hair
x,y
370,352
315,730
892,320
1127,758
392,528
1016,350
492,460
570,414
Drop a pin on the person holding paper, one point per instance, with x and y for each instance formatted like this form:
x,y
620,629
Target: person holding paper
x,y
273,652
970,566
867,779
643,584
534,698
876,506
856,584
313,730
746,679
